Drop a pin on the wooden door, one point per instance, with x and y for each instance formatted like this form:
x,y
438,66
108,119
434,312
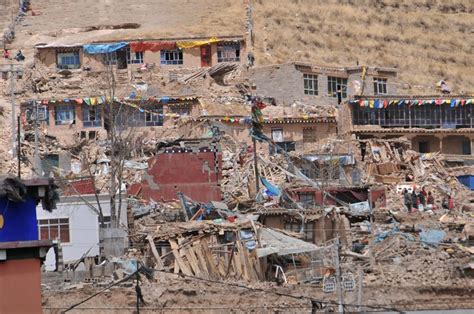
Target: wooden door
x,y
206,56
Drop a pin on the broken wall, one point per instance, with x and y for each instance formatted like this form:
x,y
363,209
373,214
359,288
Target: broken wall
x,y
196,174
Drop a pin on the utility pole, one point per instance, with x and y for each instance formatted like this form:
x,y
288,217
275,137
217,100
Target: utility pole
x,y
38,167
18,155
338,279
12,100
372,233
255,164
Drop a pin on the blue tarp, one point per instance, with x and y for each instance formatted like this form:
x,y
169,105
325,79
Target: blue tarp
x,y
432,237
467,180
271,189
104,48
383,235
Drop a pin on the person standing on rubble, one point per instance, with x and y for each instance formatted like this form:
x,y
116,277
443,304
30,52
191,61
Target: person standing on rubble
x,y
407,199
422,197
430,201
450,202
414,199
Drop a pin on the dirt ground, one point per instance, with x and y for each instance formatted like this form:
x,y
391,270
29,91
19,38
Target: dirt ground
x,y
172,294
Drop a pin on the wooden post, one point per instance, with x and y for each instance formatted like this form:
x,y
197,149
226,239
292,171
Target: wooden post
x,y
372,233
255,163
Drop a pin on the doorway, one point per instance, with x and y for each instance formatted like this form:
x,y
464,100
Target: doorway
x,y
206,56
121,59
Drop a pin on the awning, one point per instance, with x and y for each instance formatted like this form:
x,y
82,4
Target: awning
x,y
139,46
196,43
104,48
275,242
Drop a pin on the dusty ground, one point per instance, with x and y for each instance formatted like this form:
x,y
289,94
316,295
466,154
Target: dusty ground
x,y
178,295
65,21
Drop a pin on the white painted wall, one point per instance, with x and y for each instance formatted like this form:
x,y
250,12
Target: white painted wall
x,y
83,225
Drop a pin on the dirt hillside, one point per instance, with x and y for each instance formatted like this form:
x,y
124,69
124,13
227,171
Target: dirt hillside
x,y
427,40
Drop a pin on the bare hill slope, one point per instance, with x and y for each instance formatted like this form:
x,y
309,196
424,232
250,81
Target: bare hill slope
x,y
426,40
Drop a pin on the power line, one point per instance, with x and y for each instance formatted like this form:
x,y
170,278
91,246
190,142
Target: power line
x,y
298,297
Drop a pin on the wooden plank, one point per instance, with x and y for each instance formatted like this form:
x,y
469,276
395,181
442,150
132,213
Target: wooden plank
x,y
178,259
159,263
245,272
202,261
213,271
236,265
249,264
192,260
176,265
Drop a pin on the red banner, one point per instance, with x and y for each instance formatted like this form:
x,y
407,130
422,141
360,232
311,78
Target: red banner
x,y
152,46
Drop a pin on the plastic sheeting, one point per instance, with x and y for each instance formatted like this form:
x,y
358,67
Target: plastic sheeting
x,y
275,242
155,46
360,209
196,43
104,48
432,237
273,190
386,234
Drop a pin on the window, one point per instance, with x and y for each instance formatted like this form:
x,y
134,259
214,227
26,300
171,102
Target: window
x,y
64,114
277,135
155,118
134,57
309,135
152,117
91,116
68,60
110,58
310,84
54,229
336,84
228,52
424,147
466,147
182,110
306,198
282,146
171,56
380,86
296,227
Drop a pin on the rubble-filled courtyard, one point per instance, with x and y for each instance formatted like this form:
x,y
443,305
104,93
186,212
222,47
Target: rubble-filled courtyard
x,y
161,163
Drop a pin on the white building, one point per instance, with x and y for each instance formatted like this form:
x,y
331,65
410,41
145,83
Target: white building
x,y
75,223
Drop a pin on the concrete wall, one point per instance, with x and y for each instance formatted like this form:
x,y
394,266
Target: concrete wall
x,y
285,83
191,58
20,286
70,132
83,226
433,143
454,144
369,82
447,144
47,56
291,132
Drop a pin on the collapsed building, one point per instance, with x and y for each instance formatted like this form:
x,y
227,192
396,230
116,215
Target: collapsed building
x,y
208,198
